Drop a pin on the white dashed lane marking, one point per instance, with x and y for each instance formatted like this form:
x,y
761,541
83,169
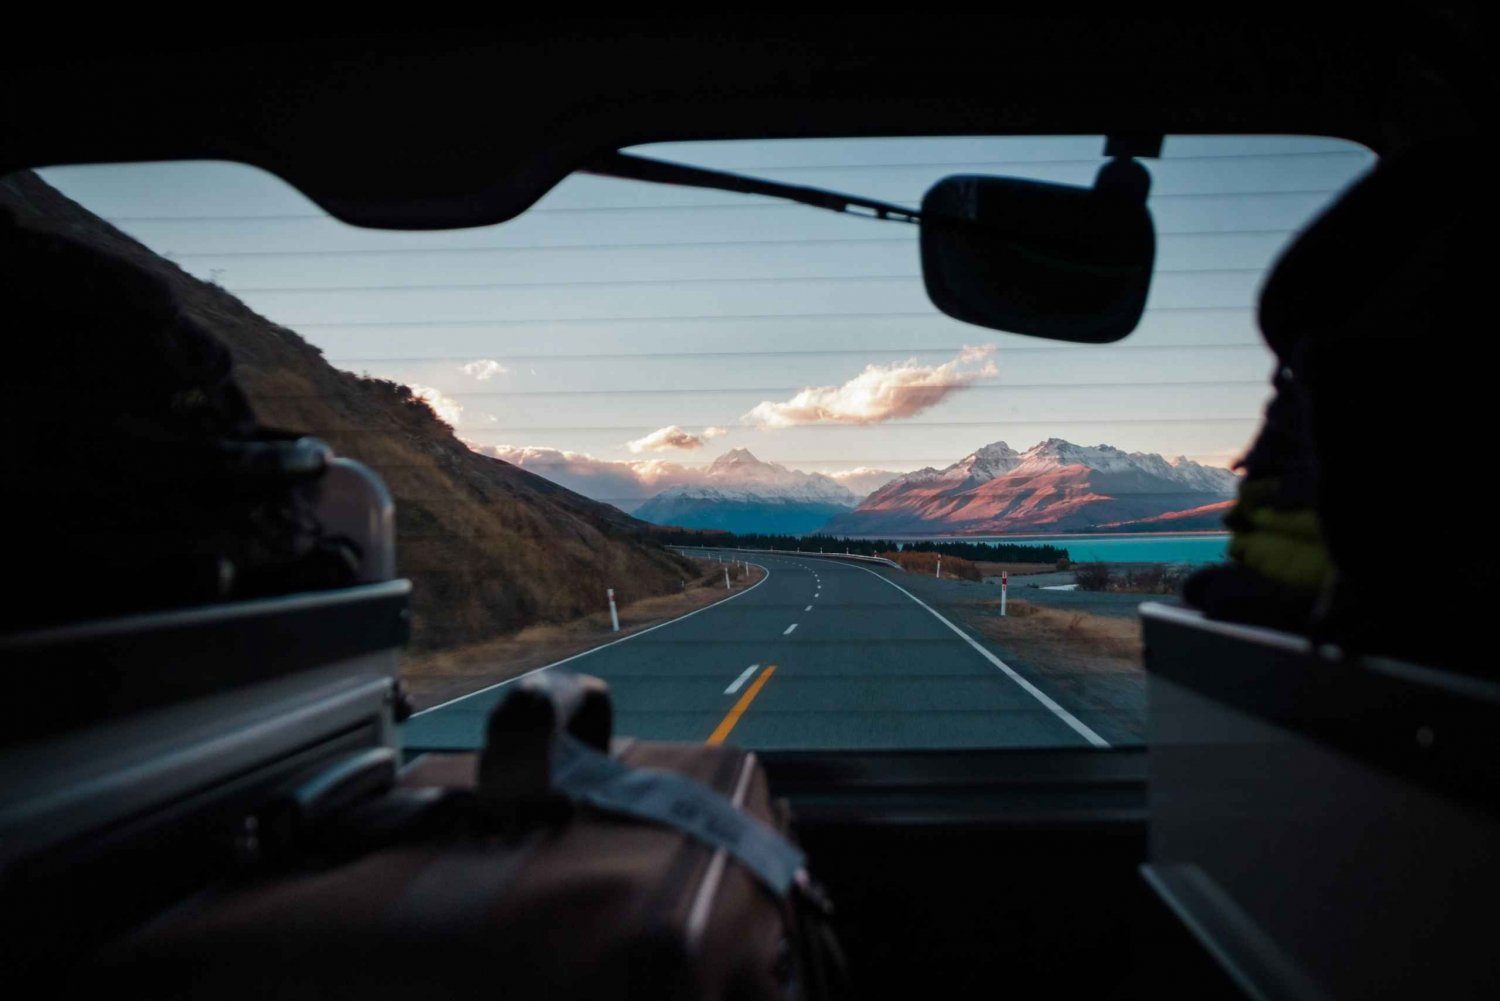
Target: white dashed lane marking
x,y
789,629
738,682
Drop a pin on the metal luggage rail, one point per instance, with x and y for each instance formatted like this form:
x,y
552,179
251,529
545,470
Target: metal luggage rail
x,y
132,715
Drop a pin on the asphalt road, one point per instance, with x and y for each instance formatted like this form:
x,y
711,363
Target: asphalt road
x,y
820,654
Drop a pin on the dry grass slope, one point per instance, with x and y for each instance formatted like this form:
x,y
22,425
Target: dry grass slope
x,y
490,548
926,563
994,569
1109,642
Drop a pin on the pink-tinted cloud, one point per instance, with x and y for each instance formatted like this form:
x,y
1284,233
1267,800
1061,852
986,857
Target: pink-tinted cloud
x,y
446,407
879,393
864,480
623,484
672,437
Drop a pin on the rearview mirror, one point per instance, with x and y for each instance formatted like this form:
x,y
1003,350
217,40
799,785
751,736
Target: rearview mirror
x,y
1049,260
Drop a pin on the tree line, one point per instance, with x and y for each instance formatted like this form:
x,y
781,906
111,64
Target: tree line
x,y
1006,552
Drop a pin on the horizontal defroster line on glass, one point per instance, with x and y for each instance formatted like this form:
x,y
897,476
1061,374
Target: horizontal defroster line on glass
x,y
945,349
752,202
649,282
884,314
605,245
967,387
1101,421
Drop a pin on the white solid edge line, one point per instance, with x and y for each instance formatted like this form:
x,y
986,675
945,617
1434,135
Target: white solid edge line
x,y
596,649
1036,693
741,679
789,629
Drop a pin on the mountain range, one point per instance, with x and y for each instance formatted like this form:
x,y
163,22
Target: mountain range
x,y
1053,486
740,493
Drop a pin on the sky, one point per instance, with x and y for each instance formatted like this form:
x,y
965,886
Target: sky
x,y
623,322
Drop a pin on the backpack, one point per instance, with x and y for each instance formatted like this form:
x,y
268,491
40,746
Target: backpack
x,y
139,476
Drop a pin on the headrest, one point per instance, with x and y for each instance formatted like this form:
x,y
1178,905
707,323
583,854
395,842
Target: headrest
x,y
1356,249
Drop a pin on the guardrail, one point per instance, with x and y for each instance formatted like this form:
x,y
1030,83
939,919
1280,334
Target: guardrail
x,y
794,552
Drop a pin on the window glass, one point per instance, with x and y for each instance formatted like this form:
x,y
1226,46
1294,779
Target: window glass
x,y
730,374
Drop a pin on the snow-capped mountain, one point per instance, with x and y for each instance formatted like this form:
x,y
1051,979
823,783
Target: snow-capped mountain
x,y
1053,486
974,468
863,480
740,474
740,493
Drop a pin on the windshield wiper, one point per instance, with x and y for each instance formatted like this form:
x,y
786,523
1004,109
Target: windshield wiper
x,y
641,168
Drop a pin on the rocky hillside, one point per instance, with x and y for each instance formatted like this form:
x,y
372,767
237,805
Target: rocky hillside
x,y
489,547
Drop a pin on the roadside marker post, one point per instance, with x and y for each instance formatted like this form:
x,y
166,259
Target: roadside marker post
x,y
939,572
1004,585
614,613
726,579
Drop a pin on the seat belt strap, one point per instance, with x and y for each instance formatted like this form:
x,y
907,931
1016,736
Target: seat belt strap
x,y
585,775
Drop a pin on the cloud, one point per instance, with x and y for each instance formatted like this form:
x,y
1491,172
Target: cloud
x,y
624,484
484,369
864,480
628,483
449,410
664,439
879,393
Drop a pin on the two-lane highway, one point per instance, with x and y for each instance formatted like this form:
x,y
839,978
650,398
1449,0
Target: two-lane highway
x,y
820,654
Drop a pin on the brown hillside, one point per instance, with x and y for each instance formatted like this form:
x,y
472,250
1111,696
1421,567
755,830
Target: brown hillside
x,y
489,547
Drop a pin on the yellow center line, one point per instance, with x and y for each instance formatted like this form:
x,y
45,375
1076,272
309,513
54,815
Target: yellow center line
x,y
728,722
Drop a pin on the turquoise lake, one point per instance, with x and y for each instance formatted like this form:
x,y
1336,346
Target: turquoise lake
x,y
1128,548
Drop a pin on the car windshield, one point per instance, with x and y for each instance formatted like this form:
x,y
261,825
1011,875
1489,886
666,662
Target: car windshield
x,y
721,451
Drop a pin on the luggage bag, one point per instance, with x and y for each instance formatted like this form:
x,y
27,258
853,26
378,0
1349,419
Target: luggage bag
x,y
498,874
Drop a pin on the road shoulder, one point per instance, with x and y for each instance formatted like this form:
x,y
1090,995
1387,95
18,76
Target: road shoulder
x,y
437,677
